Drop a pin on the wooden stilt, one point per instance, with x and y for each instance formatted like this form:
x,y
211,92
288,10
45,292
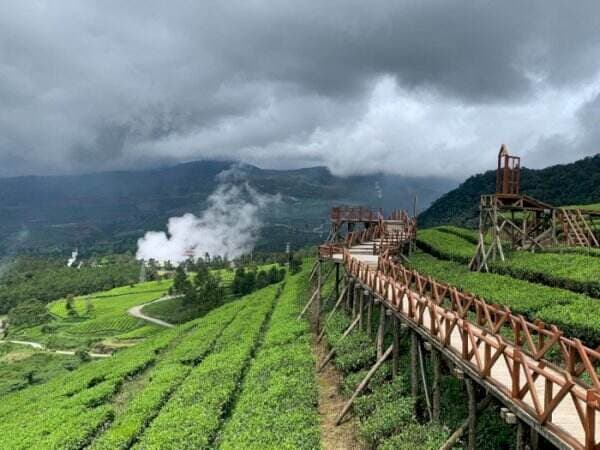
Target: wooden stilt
x,y
318,300
349,292
326,301
520,445
361,307
414,361
381,330
534,439
396,354
369,315
332,351
449,444
337,280
424,381
332,312
355,295
437,374
472,440
363,384
312,299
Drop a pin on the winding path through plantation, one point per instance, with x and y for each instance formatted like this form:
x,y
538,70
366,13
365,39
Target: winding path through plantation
x,y
137,312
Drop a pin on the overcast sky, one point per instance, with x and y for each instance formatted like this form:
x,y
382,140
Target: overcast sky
x,y
409,87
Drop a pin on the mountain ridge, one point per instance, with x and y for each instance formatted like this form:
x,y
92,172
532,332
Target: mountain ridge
x,y
104,212
561,184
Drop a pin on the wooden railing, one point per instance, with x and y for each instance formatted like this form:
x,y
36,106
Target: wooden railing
x,y
504,349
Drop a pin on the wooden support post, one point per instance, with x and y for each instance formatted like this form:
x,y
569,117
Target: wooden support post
x,y
318,300
414,361
349,292
335,307
361,307
332,351
534,439
363,384
312,299
424,381
337,280
381,330
355,296
369,314
437,375
520,444
449,444
396,354
472,439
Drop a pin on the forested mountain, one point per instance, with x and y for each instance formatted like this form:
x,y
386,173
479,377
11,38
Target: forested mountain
x,y
108,212
569,184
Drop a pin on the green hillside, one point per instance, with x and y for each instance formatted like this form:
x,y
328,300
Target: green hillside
x,y
185,388
568,184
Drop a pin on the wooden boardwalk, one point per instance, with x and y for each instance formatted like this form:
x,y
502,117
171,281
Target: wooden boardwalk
x,y
554,400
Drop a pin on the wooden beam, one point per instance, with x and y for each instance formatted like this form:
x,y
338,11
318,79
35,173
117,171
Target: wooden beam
x,y
472,419
436,388
332,312
333,349
363,384
449,444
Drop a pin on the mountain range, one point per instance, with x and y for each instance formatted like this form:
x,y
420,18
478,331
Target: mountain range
x,y
107,212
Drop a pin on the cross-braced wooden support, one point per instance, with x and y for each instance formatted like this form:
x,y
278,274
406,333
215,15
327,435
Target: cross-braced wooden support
x,y
363,384
332,312
518,221
333,349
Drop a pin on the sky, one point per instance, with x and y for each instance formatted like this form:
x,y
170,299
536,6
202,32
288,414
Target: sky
x,y
419,88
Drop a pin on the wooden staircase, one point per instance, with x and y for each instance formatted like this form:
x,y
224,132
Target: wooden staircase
x,y
576,229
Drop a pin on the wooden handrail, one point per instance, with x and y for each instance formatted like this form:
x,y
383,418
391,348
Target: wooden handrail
x,y
444,312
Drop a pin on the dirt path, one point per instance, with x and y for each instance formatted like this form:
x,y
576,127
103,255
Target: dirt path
x,y
39,346
341,437
137,312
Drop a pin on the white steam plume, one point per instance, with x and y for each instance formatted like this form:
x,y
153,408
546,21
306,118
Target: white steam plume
x,y
228,227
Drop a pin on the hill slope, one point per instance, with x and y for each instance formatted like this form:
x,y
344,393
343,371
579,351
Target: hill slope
x,y
575,183
109,211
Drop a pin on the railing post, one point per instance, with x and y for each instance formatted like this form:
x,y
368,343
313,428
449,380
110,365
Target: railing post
x,y
590,419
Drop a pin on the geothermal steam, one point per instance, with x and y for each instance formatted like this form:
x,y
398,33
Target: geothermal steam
x,y
228,227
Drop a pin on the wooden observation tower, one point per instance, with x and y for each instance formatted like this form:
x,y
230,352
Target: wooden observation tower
x,y
513,219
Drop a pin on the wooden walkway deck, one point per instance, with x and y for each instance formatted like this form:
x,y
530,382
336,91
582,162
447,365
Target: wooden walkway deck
x,y
562,405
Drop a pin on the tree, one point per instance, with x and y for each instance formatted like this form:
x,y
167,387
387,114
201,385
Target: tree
x,y
295,264
262,279
29,377
181,284
29,313
89,307
70,306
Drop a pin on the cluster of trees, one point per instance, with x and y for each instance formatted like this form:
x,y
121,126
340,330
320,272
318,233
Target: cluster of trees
x,y
247,281
202,292
28,313
46,279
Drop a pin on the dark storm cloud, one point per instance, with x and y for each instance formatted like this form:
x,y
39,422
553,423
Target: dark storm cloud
x,y
401,86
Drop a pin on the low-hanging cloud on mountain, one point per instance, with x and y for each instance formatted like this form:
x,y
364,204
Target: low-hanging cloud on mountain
x,y
409,87
229,226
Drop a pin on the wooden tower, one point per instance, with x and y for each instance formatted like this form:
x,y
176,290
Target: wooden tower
x,y
511,218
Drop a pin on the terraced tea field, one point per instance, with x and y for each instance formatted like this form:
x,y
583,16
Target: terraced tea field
x,y
183,388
